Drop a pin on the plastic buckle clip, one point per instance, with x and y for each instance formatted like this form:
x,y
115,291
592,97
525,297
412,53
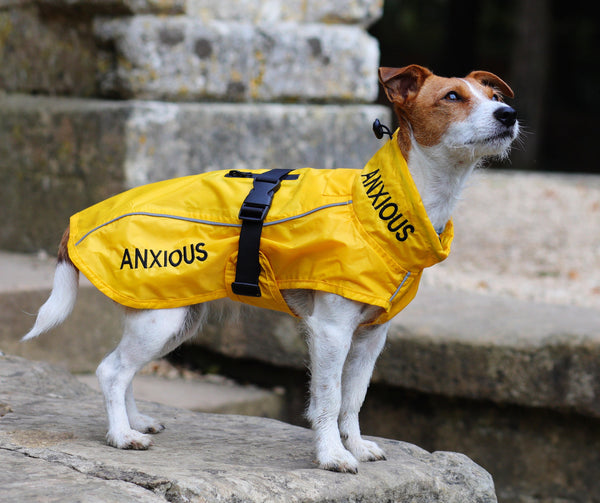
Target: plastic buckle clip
x,y
258,202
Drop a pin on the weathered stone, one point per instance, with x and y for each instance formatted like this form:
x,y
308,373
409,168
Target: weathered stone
x,y
202,395
93,329
481,347
56,156
48,53
198,457
62,155
363,12
116,7
184,59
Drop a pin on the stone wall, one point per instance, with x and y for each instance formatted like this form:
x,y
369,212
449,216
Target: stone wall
x,y
102,95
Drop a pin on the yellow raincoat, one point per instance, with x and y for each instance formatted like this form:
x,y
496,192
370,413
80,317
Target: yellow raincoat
x,y
362,234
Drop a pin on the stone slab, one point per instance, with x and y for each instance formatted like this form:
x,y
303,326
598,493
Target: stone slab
x,y
60,155
496,348
363,12
201,395
470,345
457,344
85,8
47,53
45,50
117,7
183,59
94,329
198,457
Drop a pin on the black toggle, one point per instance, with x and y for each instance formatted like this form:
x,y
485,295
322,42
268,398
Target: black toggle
x,y
380,129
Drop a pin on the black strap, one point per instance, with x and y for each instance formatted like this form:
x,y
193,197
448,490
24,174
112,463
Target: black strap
x,y
252,214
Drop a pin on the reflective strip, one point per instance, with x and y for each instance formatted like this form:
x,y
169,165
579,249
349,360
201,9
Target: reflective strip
x,y
401,285
206,222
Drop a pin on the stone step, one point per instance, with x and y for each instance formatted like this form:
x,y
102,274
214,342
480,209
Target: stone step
x,y
60,155
470,345
203,394
92,330
52,447
183,59
114,7
362,12
24,284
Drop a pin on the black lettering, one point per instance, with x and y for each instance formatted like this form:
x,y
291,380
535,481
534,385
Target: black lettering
x,y
126,260
373,184
175,263
368,176
139,259
388,211
405,232
388,215
382,203
185,258
396,228
155,257
377,195
201,254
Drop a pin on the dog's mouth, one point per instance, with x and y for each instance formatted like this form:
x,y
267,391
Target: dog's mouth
x,y
500,137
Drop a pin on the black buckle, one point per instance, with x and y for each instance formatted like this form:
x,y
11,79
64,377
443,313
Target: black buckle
x,y
258,202
252,213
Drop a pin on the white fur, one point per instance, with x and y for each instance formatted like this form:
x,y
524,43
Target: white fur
x,y
342,353
61,302
440,171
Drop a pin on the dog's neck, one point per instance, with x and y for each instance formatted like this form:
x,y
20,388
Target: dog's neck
x,y
439,178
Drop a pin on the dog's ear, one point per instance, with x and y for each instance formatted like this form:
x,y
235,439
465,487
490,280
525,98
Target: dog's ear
x,y
491,80
402,84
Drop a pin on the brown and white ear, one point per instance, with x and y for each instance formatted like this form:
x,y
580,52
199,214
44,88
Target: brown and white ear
x,y
489,79
402,84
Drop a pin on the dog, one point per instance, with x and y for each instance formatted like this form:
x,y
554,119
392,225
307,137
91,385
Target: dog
x,y
447,127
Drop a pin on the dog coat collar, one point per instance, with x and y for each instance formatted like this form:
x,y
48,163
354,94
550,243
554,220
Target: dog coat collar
x,y
363,234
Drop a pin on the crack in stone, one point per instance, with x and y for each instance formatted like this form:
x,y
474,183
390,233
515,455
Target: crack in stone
x,y
162,487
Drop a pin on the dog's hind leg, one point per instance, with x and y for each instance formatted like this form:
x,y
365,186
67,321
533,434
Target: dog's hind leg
x,y
331,325
195,318
366,347
148,334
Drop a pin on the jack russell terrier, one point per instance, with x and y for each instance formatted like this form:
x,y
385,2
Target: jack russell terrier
x,y
341,249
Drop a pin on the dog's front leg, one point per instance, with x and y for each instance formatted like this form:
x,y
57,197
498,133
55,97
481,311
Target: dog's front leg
x,y
366,347
331,325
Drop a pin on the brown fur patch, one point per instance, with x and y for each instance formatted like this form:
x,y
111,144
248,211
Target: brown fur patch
x,y
430,113
63,251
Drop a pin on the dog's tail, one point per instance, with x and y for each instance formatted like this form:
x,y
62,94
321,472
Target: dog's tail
x,y
63,296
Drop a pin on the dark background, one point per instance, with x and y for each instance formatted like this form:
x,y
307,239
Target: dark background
x,y
547,50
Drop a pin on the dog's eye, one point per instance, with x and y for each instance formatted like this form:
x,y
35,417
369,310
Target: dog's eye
x,y
453,96
495,97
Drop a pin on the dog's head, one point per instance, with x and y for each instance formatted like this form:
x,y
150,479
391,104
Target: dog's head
x,y
464,118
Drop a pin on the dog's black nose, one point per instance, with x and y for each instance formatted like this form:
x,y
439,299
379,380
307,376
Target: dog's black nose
x,y
506,115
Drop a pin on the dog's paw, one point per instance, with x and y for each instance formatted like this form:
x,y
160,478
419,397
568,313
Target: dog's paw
x,y
365,450
146,424
340,461
129,440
